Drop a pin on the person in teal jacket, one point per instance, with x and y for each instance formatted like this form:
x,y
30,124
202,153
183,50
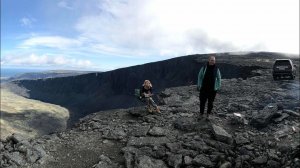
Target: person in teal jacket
x,y
209,82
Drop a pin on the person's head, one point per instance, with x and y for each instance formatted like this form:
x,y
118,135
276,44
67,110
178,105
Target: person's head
x,y
147,84
212,60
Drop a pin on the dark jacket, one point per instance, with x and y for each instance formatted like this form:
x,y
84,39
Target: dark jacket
x,y
216,78
144,90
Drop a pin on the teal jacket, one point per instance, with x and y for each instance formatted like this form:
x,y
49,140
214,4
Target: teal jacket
x,y
201,76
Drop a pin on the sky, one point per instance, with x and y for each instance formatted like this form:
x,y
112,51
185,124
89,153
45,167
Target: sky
x,y
108,34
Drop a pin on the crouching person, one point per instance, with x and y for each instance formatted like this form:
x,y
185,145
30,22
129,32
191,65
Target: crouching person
x,y
146,94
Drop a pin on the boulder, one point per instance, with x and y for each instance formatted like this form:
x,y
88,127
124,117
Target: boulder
x,y
260,160
148,162
116,134
221,135
240,139
147,141
105,162
292,113
264,116
157,131
139,131
185,124
187,160
175,160
201,160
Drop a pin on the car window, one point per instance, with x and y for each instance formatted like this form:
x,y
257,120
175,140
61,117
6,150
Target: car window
x,y
282,63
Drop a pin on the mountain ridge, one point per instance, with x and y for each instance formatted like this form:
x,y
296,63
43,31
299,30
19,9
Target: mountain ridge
x,y
88,93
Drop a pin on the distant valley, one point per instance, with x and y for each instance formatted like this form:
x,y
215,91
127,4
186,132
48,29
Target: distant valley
x,y
28,117
42,75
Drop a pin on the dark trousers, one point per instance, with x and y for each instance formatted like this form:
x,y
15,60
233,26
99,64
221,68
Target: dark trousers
x,y
204,96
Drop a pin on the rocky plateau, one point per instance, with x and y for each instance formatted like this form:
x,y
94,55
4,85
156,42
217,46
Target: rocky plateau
x,y
255,123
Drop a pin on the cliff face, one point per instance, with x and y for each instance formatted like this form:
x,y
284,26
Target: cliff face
x,y
93,92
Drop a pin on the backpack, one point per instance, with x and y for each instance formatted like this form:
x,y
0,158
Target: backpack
x,y
137,93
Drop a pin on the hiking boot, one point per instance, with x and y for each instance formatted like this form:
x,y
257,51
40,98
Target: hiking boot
x,y
149,109
200,117
207,117
157,110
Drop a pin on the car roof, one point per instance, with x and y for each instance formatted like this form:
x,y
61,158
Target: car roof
x,y
282,59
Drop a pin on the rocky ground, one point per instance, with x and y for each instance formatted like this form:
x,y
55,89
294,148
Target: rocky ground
x,y
255,124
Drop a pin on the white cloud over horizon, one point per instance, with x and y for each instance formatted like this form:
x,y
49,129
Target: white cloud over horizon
x,y
45,60
50,41
120,32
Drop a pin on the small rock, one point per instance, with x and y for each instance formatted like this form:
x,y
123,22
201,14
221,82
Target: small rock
x,y
202,160
221,134
174,147
260,160
186,152
175,160
147,141
188,160
282,117
240,139
147,162
292,113
104,162
139,131
15,157
185,124
157,131
225,165
272,163
116,134
17,138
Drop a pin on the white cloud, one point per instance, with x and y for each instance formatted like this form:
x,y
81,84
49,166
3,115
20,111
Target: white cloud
x,y
51,41
27,22
45,61
64,4
153,30
175,27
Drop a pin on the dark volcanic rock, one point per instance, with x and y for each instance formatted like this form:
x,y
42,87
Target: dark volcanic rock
x,y
157,131
147,141
18,152
185,124
94,92
147,162
260,160
202,160
221,134
264,117
105,162
241,139
134,138
139,131
175,160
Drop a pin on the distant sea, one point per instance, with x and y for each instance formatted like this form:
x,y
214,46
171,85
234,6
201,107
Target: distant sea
x,y
10,72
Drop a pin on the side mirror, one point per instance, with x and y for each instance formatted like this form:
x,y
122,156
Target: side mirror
x,y
295,65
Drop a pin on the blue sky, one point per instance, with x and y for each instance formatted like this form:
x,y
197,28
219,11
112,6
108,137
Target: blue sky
x,y
105,34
